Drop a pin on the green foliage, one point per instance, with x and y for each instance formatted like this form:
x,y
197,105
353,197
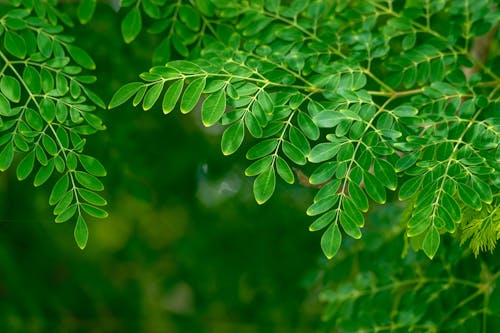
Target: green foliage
x,y
46,110
369,96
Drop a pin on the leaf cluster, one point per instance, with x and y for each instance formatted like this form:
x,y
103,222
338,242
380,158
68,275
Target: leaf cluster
x,y
370,97
47,109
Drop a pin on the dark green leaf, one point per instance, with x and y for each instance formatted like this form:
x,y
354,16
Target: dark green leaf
x,y
410,187
86,10
358,197
384,172
349,226
323,221
469,196
308,126
262,148
259,166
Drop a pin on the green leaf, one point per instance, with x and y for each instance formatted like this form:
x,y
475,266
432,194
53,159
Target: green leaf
x,y
263,186
213,108
323,152
44,43
469,196
384,172
322,205
407,161
26,165
47,110
233,137
284,170
131,25
483,189
88,181
94,211
259,166
192,94
86,10
323,173
152,96
92,197
44,173
349,226
171,96
11,88
262,148
124,93
59,189
374,188
5,109
6,156
66,214
431,242
14,44
323,221
80,56
81,232
329,118
293,153
308,126
358,197
253,125
32,79
410,187
92,165
331,240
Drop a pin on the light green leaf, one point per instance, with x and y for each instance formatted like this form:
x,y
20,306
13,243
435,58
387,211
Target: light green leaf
x,y
284,170
469,196
66,214
81,232
213,108
172,96
293,153
262,148
349,226
88,181
259,166
308,126
192,94
92,165
323,221
374,188
358,197
233,137
331,240
131,25
26,165
329,118
14,44
323,152
59,189
6,156
94,211
44,173
431,242
124,93
11,88
80,56
92,197
152,96
385,173
264,184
